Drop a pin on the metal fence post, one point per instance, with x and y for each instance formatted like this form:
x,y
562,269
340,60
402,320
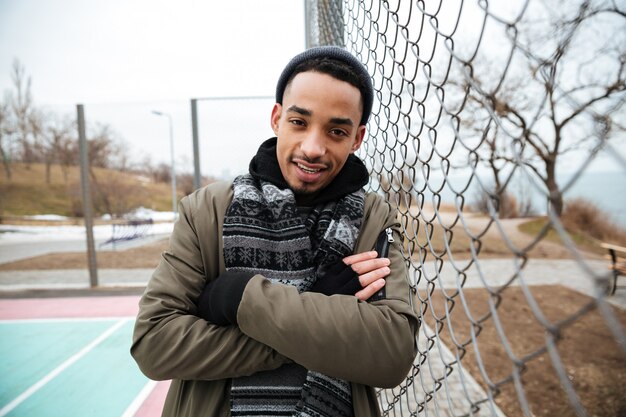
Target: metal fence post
x,y
86,192
196,146
324,23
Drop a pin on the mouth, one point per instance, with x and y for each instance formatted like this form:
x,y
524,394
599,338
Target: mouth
x,y
309,172
307,169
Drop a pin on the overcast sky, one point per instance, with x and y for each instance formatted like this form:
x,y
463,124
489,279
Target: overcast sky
x,y
139,50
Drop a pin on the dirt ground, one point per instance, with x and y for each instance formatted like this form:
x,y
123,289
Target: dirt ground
x,y
592,361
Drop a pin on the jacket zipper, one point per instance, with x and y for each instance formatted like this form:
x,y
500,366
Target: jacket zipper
x,y
383,243
385,248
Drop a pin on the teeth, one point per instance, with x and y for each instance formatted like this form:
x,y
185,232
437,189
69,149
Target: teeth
x,y
308,170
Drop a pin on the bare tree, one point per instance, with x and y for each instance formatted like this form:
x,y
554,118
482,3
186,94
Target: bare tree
x,y
105,147
5,138
21,104
561,90
61,145
39,149
107,150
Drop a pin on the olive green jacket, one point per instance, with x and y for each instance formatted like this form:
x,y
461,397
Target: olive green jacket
x,y
369,344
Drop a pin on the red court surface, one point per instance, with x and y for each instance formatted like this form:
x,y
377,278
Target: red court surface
x,y
68,307
150,401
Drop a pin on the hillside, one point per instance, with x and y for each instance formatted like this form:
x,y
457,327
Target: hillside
x,y
113,192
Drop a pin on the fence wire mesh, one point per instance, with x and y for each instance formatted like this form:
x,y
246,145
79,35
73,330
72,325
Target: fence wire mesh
x,y
504,109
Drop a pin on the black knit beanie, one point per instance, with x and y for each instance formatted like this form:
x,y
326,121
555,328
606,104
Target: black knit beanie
x,y
336,53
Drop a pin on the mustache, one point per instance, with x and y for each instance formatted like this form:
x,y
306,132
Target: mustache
x,y
309,160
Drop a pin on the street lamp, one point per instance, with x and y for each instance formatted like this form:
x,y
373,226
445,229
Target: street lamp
x,y
173,174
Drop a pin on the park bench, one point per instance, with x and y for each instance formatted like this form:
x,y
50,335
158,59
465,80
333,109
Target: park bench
x,y
617,256
129,230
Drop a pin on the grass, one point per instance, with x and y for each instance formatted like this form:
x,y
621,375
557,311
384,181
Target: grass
x,y
585,224
535,226
28,193
432,240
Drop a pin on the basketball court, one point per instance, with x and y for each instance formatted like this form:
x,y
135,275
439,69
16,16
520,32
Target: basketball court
x,y
71,356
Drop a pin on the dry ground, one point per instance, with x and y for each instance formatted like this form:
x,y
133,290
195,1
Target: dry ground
x,y
593,361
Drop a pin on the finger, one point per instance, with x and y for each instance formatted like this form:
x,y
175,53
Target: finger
x,y
370,290
373,276
360,257
369,265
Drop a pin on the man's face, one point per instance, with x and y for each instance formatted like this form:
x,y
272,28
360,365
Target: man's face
x,y
317,128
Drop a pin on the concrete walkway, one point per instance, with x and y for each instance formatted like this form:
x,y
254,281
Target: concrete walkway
x,y
586,276
71,279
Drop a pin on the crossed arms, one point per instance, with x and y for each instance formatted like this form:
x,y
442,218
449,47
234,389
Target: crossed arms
x,y
341,336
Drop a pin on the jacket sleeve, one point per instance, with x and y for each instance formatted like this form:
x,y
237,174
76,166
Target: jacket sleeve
x,y
169,341
367,343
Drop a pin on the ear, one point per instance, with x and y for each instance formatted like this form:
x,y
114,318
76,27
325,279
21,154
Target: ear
x,y
277,111
358,140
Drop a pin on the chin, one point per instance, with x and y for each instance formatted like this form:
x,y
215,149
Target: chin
x,y
304,190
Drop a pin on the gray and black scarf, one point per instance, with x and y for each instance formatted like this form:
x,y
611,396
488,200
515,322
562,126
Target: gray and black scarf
x,y
265,232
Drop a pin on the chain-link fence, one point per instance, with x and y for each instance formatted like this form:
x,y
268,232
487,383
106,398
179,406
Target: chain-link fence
x,y
484,114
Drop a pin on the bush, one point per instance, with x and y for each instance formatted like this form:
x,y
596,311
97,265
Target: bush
x,y
583,216
505,204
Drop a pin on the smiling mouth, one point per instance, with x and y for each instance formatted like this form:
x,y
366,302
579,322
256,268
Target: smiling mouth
x,y
308,170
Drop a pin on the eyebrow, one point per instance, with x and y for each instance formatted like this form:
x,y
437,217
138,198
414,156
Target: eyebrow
x,y
335,120
341,121
300,110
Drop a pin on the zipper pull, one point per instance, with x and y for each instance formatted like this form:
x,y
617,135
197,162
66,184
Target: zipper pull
x,y
389,234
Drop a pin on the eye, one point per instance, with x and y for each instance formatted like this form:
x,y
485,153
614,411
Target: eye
x,y
297,122
338,132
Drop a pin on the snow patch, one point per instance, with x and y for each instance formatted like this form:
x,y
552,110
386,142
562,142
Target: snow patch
x,y
163,224
142,213
52,217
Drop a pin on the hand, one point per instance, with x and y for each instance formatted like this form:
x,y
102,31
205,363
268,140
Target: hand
x,y
361,275
220,298
371,271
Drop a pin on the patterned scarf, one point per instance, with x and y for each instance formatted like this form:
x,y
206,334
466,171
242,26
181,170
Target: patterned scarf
x,y
265,233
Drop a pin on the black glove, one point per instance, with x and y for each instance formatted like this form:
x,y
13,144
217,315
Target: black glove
x,y
220,298
337,278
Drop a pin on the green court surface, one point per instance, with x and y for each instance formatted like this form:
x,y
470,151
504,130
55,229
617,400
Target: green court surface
x,y
68,367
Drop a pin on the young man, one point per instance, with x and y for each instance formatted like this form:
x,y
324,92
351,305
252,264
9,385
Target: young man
x,y
270,300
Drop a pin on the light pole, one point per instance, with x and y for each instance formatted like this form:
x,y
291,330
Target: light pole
x,y
173,173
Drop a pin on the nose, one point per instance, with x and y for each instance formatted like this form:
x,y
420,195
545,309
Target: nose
x,y
313,145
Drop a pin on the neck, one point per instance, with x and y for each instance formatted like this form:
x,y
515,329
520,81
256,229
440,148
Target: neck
x,y
306,200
